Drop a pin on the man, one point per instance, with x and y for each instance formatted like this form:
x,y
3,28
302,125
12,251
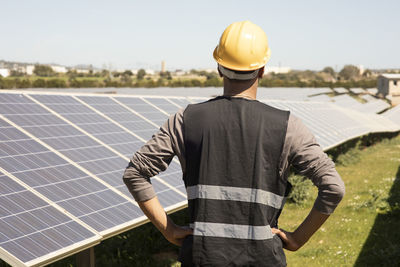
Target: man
x,y
235,154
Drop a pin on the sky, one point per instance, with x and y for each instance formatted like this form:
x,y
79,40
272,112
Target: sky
x,y
132,34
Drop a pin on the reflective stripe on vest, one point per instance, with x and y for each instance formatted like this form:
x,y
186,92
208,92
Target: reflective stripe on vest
x,y
235,194
232,231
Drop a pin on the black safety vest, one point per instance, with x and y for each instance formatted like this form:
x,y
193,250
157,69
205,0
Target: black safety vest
x,y
233,148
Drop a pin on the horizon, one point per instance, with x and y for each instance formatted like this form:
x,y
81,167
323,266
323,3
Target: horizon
x,y
134,35
199,69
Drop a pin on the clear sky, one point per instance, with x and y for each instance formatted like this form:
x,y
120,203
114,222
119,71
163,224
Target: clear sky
x,y
135,34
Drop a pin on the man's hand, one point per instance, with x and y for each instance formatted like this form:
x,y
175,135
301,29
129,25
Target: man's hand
x,y
295,240
156,214
177,234
287,238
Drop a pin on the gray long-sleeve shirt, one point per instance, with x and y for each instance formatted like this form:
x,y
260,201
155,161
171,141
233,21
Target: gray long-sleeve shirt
x,y
300,150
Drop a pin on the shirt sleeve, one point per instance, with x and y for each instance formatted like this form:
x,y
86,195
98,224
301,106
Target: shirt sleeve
x,y
307,157
154,157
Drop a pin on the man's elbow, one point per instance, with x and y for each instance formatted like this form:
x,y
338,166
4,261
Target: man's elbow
x,y
338,191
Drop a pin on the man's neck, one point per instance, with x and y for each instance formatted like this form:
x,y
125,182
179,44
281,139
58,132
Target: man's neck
x,y
245,89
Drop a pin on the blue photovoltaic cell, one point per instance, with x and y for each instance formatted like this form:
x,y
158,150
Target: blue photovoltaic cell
x,y
393,114
328,130
164,105
62,182
182,102
140,106
96,125
66,139
173,175
123,116
30,227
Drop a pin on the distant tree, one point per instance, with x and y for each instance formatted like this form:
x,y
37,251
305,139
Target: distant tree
x,y
349,72
166,75
43,71
7,83
15,73
39,83
367,73
329,70
105,73
215,82
72,74
127,73
56,83
211,75
141,73
116,74
24,83
126,80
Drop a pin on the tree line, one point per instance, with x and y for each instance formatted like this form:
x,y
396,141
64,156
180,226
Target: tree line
x,y
44,77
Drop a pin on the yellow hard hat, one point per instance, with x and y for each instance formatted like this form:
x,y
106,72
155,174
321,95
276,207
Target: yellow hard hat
x,y
243,46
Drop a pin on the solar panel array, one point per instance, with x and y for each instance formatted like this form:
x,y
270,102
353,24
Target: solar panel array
x,y
357,91
62,157
333,125
282,93
299,94
372,106
68,156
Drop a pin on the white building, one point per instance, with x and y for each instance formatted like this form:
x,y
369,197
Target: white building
x,y
389,87
276,70
4,72
29,69
84,71
59,69
150,72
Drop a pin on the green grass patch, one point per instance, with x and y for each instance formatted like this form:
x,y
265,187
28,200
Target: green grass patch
x,y
363,231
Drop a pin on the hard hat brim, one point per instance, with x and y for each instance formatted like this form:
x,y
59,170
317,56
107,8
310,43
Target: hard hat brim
x,y
241,68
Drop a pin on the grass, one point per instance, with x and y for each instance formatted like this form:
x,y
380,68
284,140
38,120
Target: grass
x,y
363,231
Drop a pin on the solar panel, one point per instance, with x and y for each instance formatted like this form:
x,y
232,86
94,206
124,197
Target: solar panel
x,y
128,117
374,106
62,182
182,102
340,90
290,93
111,135
357,91
100,202
393,114
322,98
67,152
164,104
372,91
33,229
368,98
346,101
145,109
333,125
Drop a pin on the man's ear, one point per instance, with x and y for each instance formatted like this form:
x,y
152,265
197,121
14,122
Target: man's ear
x,y
261,72
220,74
